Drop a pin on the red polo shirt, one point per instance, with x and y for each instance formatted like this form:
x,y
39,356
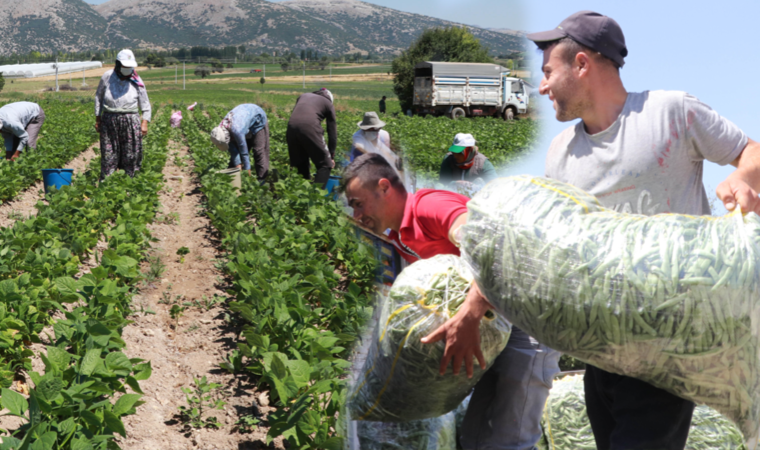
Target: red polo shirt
x,y
428,216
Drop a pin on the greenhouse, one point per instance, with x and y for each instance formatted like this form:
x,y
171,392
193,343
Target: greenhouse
x,y
46,69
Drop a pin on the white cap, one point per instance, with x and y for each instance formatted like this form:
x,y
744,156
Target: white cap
x,y
462,140
329,94
127,59
220,137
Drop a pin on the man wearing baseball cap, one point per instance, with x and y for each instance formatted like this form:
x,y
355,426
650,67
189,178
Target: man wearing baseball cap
x,y
642,153
464,164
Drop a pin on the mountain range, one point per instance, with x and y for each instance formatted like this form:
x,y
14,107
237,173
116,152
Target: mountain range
x,y
328,26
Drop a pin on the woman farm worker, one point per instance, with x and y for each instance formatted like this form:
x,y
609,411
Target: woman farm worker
x,y
371,138
120,94
245,129
464,164
20,124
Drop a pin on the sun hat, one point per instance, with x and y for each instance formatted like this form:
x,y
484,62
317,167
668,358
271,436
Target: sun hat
x,y
370,120
462,141
220,137
594,30
127,59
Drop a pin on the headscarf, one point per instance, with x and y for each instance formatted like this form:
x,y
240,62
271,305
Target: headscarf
x,y
470,159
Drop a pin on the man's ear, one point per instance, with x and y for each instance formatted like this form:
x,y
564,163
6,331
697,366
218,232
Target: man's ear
x,y
384,185
582,63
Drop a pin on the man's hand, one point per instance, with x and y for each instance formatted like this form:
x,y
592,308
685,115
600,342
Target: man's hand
x,y
144,127
742,186
97,124
733,191
462,334
332,163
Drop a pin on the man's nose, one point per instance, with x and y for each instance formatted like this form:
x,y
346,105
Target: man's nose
x,y
543,88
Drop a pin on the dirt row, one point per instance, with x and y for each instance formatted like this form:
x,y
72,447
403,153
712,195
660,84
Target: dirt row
x,y
23,205
183,345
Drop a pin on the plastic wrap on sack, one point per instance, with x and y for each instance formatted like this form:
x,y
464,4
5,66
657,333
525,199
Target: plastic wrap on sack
x,y
437,433
670,299
400,379
566,425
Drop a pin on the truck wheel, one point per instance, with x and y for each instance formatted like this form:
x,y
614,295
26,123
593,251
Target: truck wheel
x,y
456,113
509,114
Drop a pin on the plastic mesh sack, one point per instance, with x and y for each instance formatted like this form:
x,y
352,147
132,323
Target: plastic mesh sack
x,y
669,299
400,380
437,433
566,425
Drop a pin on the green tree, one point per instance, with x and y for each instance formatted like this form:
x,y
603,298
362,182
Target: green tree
x,y
262,80
202,71
451,44
2,82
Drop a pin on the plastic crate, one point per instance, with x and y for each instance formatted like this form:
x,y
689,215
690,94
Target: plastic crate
x,y
385,253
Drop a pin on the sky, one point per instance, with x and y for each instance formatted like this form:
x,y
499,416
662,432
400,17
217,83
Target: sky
x,y
705,49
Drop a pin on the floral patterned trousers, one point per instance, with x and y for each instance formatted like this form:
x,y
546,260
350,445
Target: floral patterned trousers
x,y
120,144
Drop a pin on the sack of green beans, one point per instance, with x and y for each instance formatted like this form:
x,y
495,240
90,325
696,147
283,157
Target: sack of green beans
x,y
670,299
400,380
566,425
437,433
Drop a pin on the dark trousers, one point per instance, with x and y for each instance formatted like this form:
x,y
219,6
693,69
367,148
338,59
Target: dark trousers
x,y
258,146
302,149
630,414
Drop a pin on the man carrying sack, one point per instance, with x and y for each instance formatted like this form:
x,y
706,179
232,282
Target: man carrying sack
x,y
642,153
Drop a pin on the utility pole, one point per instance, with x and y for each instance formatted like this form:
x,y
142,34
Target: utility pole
x,y
183,75
330,71
265,70
176,68
56,74
304,74
83,83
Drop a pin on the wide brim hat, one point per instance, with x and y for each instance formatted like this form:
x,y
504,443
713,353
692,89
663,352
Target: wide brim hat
x,y
370,120
461,142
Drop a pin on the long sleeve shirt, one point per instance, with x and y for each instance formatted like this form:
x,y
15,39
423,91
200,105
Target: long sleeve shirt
x,y
15,118
121,96
244,120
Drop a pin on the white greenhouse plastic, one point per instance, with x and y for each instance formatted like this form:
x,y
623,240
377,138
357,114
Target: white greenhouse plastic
x,y
45,69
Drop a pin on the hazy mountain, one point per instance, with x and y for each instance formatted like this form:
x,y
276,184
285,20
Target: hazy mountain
x,y
328,26
47,25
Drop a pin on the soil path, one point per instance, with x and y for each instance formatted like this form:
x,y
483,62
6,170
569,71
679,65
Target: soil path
x,y
23,204
195,343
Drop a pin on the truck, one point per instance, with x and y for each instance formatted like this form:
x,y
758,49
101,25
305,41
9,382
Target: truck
x,y
468,90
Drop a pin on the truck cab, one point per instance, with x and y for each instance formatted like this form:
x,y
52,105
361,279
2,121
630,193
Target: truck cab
x,y
468,90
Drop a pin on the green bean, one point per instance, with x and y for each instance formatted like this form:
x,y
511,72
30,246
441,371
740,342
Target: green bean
x,y
400,380
662,298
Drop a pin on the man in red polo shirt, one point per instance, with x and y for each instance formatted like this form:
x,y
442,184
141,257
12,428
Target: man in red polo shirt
x,y
507,403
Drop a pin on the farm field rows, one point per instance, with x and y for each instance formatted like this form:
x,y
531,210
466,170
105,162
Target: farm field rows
x,y
296,284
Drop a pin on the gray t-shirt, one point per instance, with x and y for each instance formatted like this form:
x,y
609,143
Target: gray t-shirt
x,y
650,160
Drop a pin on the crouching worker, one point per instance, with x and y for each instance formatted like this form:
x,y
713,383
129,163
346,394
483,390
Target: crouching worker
x,y
507,403
245,129
20,124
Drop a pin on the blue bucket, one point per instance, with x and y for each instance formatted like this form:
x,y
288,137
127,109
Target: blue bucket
x,y
332,185
56,177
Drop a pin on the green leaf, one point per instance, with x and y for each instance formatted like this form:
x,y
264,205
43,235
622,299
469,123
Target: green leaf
x,y
66,427
143,371
81,444
44,442
134,384
114,423
334,443
90,418
13,402
50,387
278,368
125,403
68,287
90,361
58,356
301,372
118,361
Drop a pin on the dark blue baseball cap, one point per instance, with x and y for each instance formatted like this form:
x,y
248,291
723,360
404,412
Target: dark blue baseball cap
x,y
594,30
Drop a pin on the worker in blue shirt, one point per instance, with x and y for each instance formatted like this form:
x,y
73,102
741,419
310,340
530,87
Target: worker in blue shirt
x,y
245,129
20,124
